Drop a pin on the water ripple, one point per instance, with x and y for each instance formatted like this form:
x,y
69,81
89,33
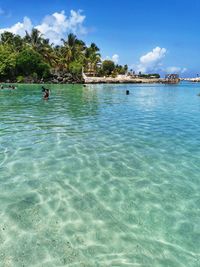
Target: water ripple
x,y
93,177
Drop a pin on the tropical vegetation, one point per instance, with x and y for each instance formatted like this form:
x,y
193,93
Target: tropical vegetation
x,y
34,58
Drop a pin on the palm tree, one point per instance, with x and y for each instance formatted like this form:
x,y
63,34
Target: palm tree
x,y
60,59
92,58
34,39
41,45
14,41
48,52
73,48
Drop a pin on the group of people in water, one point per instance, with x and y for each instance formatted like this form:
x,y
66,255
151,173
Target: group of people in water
x,y
45,91
12,87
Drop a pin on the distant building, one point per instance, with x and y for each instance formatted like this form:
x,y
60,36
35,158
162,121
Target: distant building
x,y
172,78
91,69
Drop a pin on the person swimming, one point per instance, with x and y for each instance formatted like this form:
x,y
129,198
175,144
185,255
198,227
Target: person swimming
x,y
46,93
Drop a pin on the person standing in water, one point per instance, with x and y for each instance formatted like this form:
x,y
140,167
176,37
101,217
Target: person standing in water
x,y
46,93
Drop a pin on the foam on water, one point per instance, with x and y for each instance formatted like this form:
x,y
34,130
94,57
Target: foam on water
x,y
94,177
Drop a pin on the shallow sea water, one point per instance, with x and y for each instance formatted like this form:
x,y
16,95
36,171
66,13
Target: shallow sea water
x,y
93,177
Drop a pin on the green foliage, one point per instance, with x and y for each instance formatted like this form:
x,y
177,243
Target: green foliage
x,y
114,75
7,61
108,67
34,58
20,79
15,42
100,72
121,69
149,76
34,76
126,68
29,62
75,68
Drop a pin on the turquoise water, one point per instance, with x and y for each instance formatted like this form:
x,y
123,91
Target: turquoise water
x,y
93,177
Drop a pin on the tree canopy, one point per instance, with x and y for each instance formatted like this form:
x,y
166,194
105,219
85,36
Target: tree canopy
x,y
34,56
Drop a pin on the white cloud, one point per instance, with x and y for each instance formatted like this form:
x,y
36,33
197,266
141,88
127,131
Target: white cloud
x,y
57,25
152,61
54,27
174,69
115,58
20,27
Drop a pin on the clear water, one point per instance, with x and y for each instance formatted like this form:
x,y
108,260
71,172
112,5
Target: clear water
x,y
93,177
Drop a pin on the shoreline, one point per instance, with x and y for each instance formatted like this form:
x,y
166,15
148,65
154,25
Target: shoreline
x,y
128,80
106,80
109,80
196,80
124,79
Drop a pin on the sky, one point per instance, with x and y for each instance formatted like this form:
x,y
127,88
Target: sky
x,y
148,35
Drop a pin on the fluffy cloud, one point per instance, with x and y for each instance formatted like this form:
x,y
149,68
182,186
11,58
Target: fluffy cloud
x,y
57,25
175,70
115,58
20,27
152,61
54,27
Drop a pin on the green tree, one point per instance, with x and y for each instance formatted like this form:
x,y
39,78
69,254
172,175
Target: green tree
x,y
36,57
7,61
75,69
29,62
108,67
92,58
34,40
14,41
72,49
48,52
125,68
41,45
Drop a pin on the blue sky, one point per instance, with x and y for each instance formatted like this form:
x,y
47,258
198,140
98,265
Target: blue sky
x,y
147,35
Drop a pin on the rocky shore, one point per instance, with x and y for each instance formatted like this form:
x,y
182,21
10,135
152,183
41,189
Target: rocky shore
x,y
58,78
99,80
127,79
68,78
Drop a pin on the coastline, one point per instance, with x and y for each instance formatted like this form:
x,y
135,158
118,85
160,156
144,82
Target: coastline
x,y
103,80
196,80
100,80
128,79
